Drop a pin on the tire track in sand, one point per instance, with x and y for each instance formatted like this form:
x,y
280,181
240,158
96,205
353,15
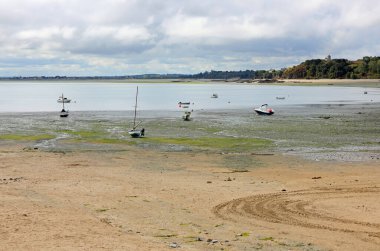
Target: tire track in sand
x,y
298,208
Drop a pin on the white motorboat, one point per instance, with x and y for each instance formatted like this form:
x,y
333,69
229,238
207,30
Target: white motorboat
x,y
62,99
264,110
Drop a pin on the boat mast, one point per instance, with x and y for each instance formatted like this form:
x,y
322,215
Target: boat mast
x,y
134,119
63,102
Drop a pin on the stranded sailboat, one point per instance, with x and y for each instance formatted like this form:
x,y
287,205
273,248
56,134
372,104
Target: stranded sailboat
x,y
64,113
134,132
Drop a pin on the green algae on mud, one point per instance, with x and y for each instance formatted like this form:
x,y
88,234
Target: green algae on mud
x,y
96,137
330,131
225,143
103,141
22,137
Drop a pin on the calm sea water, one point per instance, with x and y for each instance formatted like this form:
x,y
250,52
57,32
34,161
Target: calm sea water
x,y
42,96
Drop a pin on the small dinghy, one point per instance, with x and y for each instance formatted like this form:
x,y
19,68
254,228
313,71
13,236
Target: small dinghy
x,y
264,110
184,104
214,95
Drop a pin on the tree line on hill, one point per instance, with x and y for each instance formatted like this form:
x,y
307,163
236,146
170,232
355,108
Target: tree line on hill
x,y
365,68
368,67
247,74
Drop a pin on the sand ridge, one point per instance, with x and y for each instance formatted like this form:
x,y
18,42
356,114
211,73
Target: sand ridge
x,y
297,208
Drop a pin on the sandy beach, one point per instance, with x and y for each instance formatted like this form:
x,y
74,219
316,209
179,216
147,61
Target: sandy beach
x,y
291,190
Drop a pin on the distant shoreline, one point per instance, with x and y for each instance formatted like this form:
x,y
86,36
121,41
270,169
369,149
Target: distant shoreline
x,y
292,82
341,82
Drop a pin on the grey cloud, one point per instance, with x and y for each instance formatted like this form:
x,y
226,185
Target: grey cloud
x,y
175,36
108,48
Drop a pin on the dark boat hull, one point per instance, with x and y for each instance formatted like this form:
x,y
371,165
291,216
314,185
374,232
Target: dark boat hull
x,y
134,133
264,112
64,114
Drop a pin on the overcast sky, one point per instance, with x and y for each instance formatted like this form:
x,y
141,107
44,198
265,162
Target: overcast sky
x,y
122,37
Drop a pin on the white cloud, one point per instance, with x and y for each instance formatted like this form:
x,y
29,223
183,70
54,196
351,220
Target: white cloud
x,y
46,33
218,30
126,34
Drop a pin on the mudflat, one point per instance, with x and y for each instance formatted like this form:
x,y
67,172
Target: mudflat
x,y
227,180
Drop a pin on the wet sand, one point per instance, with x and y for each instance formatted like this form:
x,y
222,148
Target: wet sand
x,y
96,191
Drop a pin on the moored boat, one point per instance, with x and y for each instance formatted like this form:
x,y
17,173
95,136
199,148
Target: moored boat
x,y
184,104
64,113
264,110
134,132
62,99
186,117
